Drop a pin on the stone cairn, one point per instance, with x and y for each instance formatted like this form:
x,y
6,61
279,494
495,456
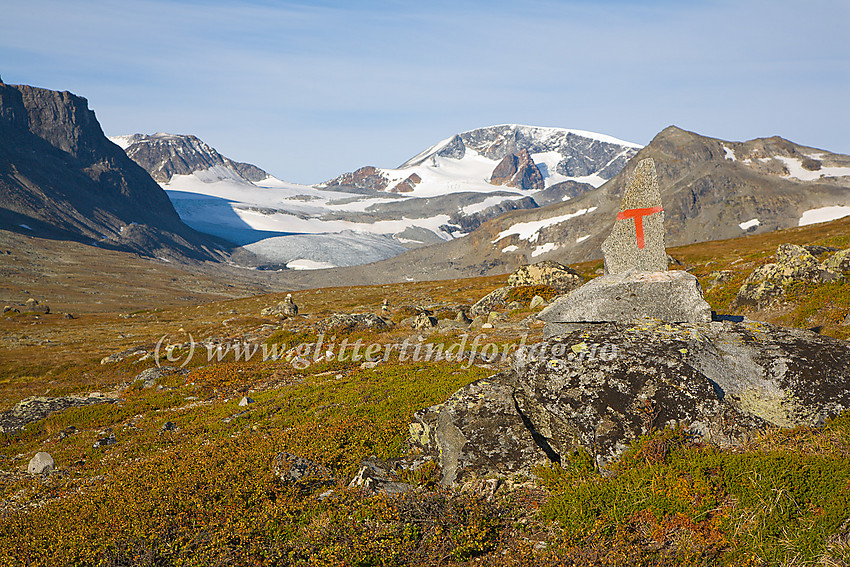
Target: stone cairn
x,y
285,308
636,284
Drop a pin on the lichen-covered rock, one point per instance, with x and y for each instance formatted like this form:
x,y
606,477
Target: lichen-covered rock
x,y
476,432
350,322
717,278
766,286
424,321
547,272
818,251
33,306
39,407
838,262
600,387
787,377
493,300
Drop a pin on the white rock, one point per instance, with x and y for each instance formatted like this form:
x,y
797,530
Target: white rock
x,y
41,463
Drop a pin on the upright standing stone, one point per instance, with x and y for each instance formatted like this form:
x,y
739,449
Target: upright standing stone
x,y
637,240
636,284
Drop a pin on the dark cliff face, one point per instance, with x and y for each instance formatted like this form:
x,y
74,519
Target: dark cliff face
x,y
60,177
518,170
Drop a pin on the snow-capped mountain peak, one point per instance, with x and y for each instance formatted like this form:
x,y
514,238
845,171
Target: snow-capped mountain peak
x,y
466,161
165,155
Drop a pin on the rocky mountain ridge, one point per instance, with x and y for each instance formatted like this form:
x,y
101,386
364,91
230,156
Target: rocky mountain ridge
x,y
60,177
166,155
370,214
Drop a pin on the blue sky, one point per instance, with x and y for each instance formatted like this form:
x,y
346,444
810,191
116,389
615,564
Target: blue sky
x,y
311,90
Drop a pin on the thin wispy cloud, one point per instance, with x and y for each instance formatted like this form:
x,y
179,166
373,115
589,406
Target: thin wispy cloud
x,y
309,90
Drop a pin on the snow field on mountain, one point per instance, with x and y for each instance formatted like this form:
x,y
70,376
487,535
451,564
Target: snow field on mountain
x,y
442,176
797,171
530,231
823,214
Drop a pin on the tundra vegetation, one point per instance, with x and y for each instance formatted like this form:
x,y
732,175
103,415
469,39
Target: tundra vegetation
x,y
190,479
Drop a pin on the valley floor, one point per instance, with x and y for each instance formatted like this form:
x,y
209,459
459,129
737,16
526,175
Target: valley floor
x,y
167,468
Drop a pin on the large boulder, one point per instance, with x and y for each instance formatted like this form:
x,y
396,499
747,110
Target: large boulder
x,y
599,388
785,376
547,272
838,262
477,432
32,305
767,285
496,299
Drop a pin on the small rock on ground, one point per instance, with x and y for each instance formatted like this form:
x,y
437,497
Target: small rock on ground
x,y
41,463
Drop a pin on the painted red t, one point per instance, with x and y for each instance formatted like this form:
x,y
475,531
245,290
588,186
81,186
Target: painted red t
x,y
638,215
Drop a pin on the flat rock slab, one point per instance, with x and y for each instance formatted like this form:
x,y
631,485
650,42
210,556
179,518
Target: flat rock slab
x,y
637,240
39,407
672,297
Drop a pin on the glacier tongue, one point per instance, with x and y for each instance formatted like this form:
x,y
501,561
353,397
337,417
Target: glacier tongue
x,y
347,248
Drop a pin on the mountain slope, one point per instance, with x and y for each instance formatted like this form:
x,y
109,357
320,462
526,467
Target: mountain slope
x,y
711,189
60,177
166,155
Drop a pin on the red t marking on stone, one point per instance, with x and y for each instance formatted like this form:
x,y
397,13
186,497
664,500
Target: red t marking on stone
x,y
638,215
